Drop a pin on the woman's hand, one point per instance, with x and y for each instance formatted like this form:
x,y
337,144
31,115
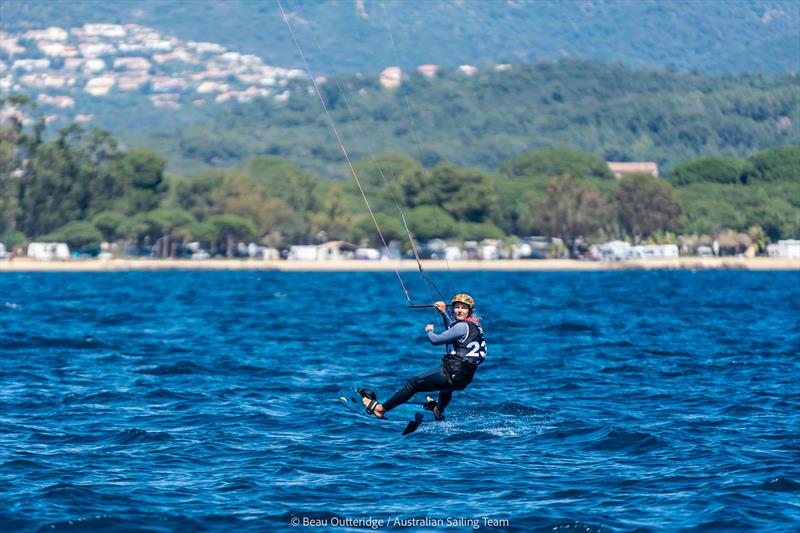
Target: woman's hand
x,y
429,327
440,306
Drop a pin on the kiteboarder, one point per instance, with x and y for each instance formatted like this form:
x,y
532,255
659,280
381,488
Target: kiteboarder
x,y
467,350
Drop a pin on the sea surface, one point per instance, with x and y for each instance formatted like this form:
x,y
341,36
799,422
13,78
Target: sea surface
x,y
207,401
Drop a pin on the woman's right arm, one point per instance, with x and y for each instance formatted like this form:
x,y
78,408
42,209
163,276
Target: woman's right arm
x,y
460,330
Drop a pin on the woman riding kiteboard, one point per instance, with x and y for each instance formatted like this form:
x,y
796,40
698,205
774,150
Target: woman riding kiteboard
x,y
467,350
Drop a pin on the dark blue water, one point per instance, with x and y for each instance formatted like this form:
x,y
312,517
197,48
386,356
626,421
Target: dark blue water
x,y
195,401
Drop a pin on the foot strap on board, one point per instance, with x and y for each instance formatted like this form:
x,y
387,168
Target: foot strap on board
x,y
367,393
372,397
370,407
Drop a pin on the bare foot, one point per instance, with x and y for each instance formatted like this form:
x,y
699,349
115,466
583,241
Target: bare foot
x,y
377,411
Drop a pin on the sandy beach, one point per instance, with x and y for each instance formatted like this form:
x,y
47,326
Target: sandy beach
x,y
113,265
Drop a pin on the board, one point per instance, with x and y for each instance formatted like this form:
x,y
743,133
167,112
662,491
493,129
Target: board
x,y
411,413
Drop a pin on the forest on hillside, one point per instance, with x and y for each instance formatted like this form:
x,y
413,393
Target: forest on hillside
x,y
488,118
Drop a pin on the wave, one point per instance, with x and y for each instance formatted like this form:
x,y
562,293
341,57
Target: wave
x,y
144,521
65,438
571,327
126,436
37,342
26,465
68,492
780,484
471,435
181,367
622,369
573,525
166,394
137,436
615,344
104,397
517,409
626,440
118,319
674,373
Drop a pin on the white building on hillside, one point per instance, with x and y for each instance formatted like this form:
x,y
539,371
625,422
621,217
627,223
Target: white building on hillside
x,y
644,167
391,77
131,63
467,70
53,33
99,86
428,71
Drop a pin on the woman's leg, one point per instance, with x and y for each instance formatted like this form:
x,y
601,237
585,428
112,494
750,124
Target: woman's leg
x,y
444,398
430,381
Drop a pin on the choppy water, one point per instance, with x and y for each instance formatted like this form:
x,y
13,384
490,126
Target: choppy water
x,y
207,402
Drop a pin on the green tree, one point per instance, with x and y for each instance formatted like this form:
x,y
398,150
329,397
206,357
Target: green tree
x,y
143,172
646,205
51,183
391,226
391,178
110,224
334,222
204,232
195,195
711,208
171,228
708,169
571,211
775,215
45,202
230,228
285,180
778,164
245,197
478,231
384,168
99,154
429,222
467,194
10,171
297,188
550,162
414,187
515,198
77,234
164,228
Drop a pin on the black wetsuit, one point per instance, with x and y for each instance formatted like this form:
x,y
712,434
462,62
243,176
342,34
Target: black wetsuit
x,y
467,351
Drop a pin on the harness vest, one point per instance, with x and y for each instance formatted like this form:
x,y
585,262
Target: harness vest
x,y
473,348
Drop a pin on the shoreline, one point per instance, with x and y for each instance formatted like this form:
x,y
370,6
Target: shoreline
x,y
534,265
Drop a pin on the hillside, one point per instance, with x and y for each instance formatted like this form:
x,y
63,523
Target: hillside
x,y
712,37
494,115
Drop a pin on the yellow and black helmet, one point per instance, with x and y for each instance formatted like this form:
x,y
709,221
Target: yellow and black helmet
x,y
464,299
